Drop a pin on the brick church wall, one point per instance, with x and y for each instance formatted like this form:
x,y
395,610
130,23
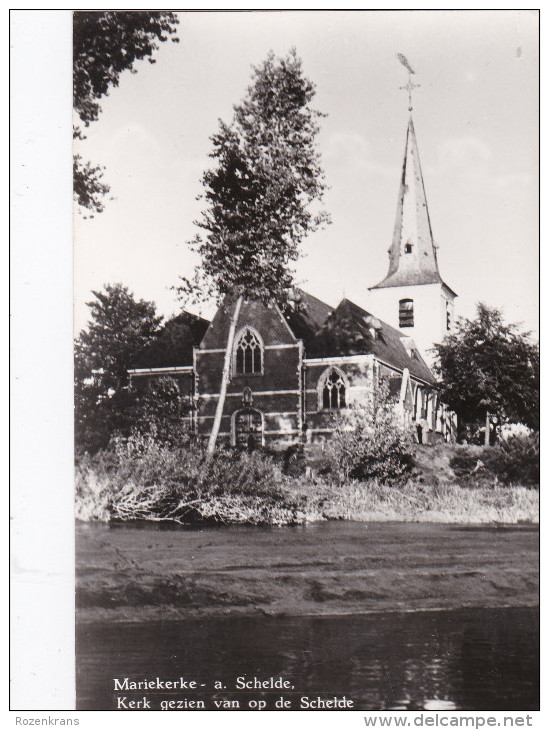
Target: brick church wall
x,y
275,391
358,374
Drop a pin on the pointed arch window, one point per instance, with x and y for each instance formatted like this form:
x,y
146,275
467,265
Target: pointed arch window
x,y
332,390
408,248
406,313
248,353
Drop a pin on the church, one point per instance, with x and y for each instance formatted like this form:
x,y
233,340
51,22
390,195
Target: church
x,y
292,370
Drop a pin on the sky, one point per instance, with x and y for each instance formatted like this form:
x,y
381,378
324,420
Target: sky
x,y
476,121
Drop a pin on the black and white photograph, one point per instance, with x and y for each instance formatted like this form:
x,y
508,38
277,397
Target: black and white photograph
x,y
306,360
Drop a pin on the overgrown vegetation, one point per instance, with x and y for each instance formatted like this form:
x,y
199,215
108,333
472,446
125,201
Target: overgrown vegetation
x,y
148,466
370,442
140,479
514,461
157,411
444,503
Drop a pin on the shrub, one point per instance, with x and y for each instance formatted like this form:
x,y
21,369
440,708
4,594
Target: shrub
x,y
469,467
370,442
158,411
515,460
294,461
139,478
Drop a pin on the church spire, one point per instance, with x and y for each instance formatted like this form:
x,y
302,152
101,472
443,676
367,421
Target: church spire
x,y
413,296
412,255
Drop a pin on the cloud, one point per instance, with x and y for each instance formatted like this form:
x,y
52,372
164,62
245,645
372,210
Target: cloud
x,y
512,181
352,150
470,160
463,152
347,145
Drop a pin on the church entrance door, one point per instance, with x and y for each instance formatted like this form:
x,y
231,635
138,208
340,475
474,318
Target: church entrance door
x,y
248,429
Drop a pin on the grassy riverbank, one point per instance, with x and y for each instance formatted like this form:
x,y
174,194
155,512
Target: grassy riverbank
x,y
147,481
417,502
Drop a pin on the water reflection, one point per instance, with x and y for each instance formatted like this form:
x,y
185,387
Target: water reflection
x,y
471,659
441,705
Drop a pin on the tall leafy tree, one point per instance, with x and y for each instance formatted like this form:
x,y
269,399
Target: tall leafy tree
x,y
260,196
106,43
119,329
490,369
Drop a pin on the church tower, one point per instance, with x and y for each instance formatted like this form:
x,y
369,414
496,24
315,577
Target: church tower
x,y
413,298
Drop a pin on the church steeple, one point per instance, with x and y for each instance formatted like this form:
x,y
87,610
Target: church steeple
x,y
412,255
413,297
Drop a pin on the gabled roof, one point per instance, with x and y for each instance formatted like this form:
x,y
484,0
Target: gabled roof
x,y
326,332
173,345
348,331
306,315
267,319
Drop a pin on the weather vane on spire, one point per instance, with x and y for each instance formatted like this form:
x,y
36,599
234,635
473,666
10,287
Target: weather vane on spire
x,y
410,86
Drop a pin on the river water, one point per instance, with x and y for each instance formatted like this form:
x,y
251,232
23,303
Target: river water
x,y
459,654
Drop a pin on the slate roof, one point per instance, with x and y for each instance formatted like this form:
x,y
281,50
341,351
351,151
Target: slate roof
x,y
306,316
266,318
347,331
326,332
173,345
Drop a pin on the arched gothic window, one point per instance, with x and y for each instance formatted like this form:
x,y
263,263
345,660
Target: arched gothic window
x,y
248,353
332,390
406,313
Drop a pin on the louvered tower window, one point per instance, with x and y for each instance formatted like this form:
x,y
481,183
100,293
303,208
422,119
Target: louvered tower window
x,y
248,353
406,313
